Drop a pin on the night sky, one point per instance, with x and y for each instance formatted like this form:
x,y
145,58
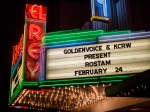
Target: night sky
x,y
12,27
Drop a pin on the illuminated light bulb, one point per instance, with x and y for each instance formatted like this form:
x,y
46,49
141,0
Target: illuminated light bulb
x,y
68,88
103,85
132,90
103,93
45,96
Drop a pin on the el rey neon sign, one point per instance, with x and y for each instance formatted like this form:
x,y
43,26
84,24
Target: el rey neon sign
x,y
33,48
34,31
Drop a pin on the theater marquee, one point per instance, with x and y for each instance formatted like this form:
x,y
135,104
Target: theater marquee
x,y
113,58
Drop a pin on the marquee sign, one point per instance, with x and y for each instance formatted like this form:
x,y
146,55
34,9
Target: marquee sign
x,y
113,58
34,28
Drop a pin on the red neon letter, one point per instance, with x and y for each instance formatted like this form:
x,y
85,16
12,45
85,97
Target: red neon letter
x,y
35,31
41,14
32,69
34,11
33,50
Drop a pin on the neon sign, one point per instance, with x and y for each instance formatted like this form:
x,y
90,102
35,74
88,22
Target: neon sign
x,y
17,50
36,32
35,12
33,48
35,24
32,69
103,2
33,52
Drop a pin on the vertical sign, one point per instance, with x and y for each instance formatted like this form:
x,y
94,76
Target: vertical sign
x,y
99,9
16,69
17,49
35,26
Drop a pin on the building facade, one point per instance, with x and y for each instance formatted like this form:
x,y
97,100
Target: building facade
x,y
68,70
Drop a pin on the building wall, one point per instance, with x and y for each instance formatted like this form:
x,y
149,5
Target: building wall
x,y
139,16
73,15
124,14
129,14
66,15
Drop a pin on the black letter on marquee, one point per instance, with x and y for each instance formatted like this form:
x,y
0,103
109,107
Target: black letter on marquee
x,y
108,47
128,45
115,46
65,51
76,73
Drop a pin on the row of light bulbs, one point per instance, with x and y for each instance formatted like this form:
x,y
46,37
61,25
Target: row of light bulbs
x,y
67,98
128,94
